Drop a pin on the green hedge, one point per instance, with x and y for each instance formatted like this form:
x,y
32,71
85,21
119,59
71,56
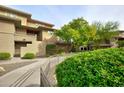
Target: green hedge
x,y
52,49
120,43
50,46
29,56
99,68
4,55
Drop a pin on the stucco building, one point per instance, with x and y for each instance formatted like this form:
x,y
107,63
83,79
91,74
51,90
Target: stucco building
x,y
19,33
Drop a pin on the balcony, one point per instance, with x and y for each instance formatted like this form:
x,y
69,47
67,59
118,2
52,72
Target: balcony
x,y
25,37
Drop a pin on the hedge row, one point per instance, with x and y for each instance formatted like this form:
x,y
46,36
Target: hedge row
x,y
99,68
29,56
52,49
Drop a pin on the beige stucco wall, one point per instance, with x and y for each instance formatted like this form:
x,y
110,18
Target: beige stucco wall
x,y
7,37
42,49
21,35
20,31
49,38
23,20
39,47
46,35
32,48
9,14
33,24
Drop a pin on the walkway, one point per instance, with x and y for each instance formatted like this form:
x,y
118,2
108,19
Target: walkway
x,y
30,75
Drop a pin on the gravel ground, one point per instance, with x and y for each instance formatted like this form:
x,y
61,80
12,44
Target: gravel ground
x,y
10,67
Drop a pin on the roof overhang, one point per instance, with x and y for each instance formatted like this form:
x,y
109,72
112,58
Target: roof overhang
x,y
4,8
30,28
40,28
40,22
46,28
16,21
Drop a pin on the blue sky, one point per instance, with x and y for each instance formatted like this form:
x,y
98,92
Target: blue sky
x,y
62,14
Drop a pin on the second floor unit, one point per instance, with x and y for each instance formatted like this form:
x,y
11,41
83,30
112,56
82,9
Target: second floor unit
x,y
25,28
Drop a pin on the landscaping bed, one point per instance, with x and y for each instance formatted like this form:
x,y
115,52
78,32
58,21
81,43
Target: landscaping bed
x,y
12,66
99,68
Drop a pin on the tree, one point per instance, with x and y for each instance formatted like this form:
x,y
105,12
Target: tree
x,y
106,31
64,33
78,32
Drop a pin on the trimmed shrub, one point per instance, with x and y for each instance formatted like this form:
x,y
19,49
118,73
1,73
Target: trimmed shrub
x,y
99,68
29,56
4,55
50,46
50,49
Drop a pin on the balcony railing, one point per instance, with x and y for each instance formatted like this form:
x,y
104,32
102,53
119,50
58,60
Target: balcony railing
x,y
25,37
